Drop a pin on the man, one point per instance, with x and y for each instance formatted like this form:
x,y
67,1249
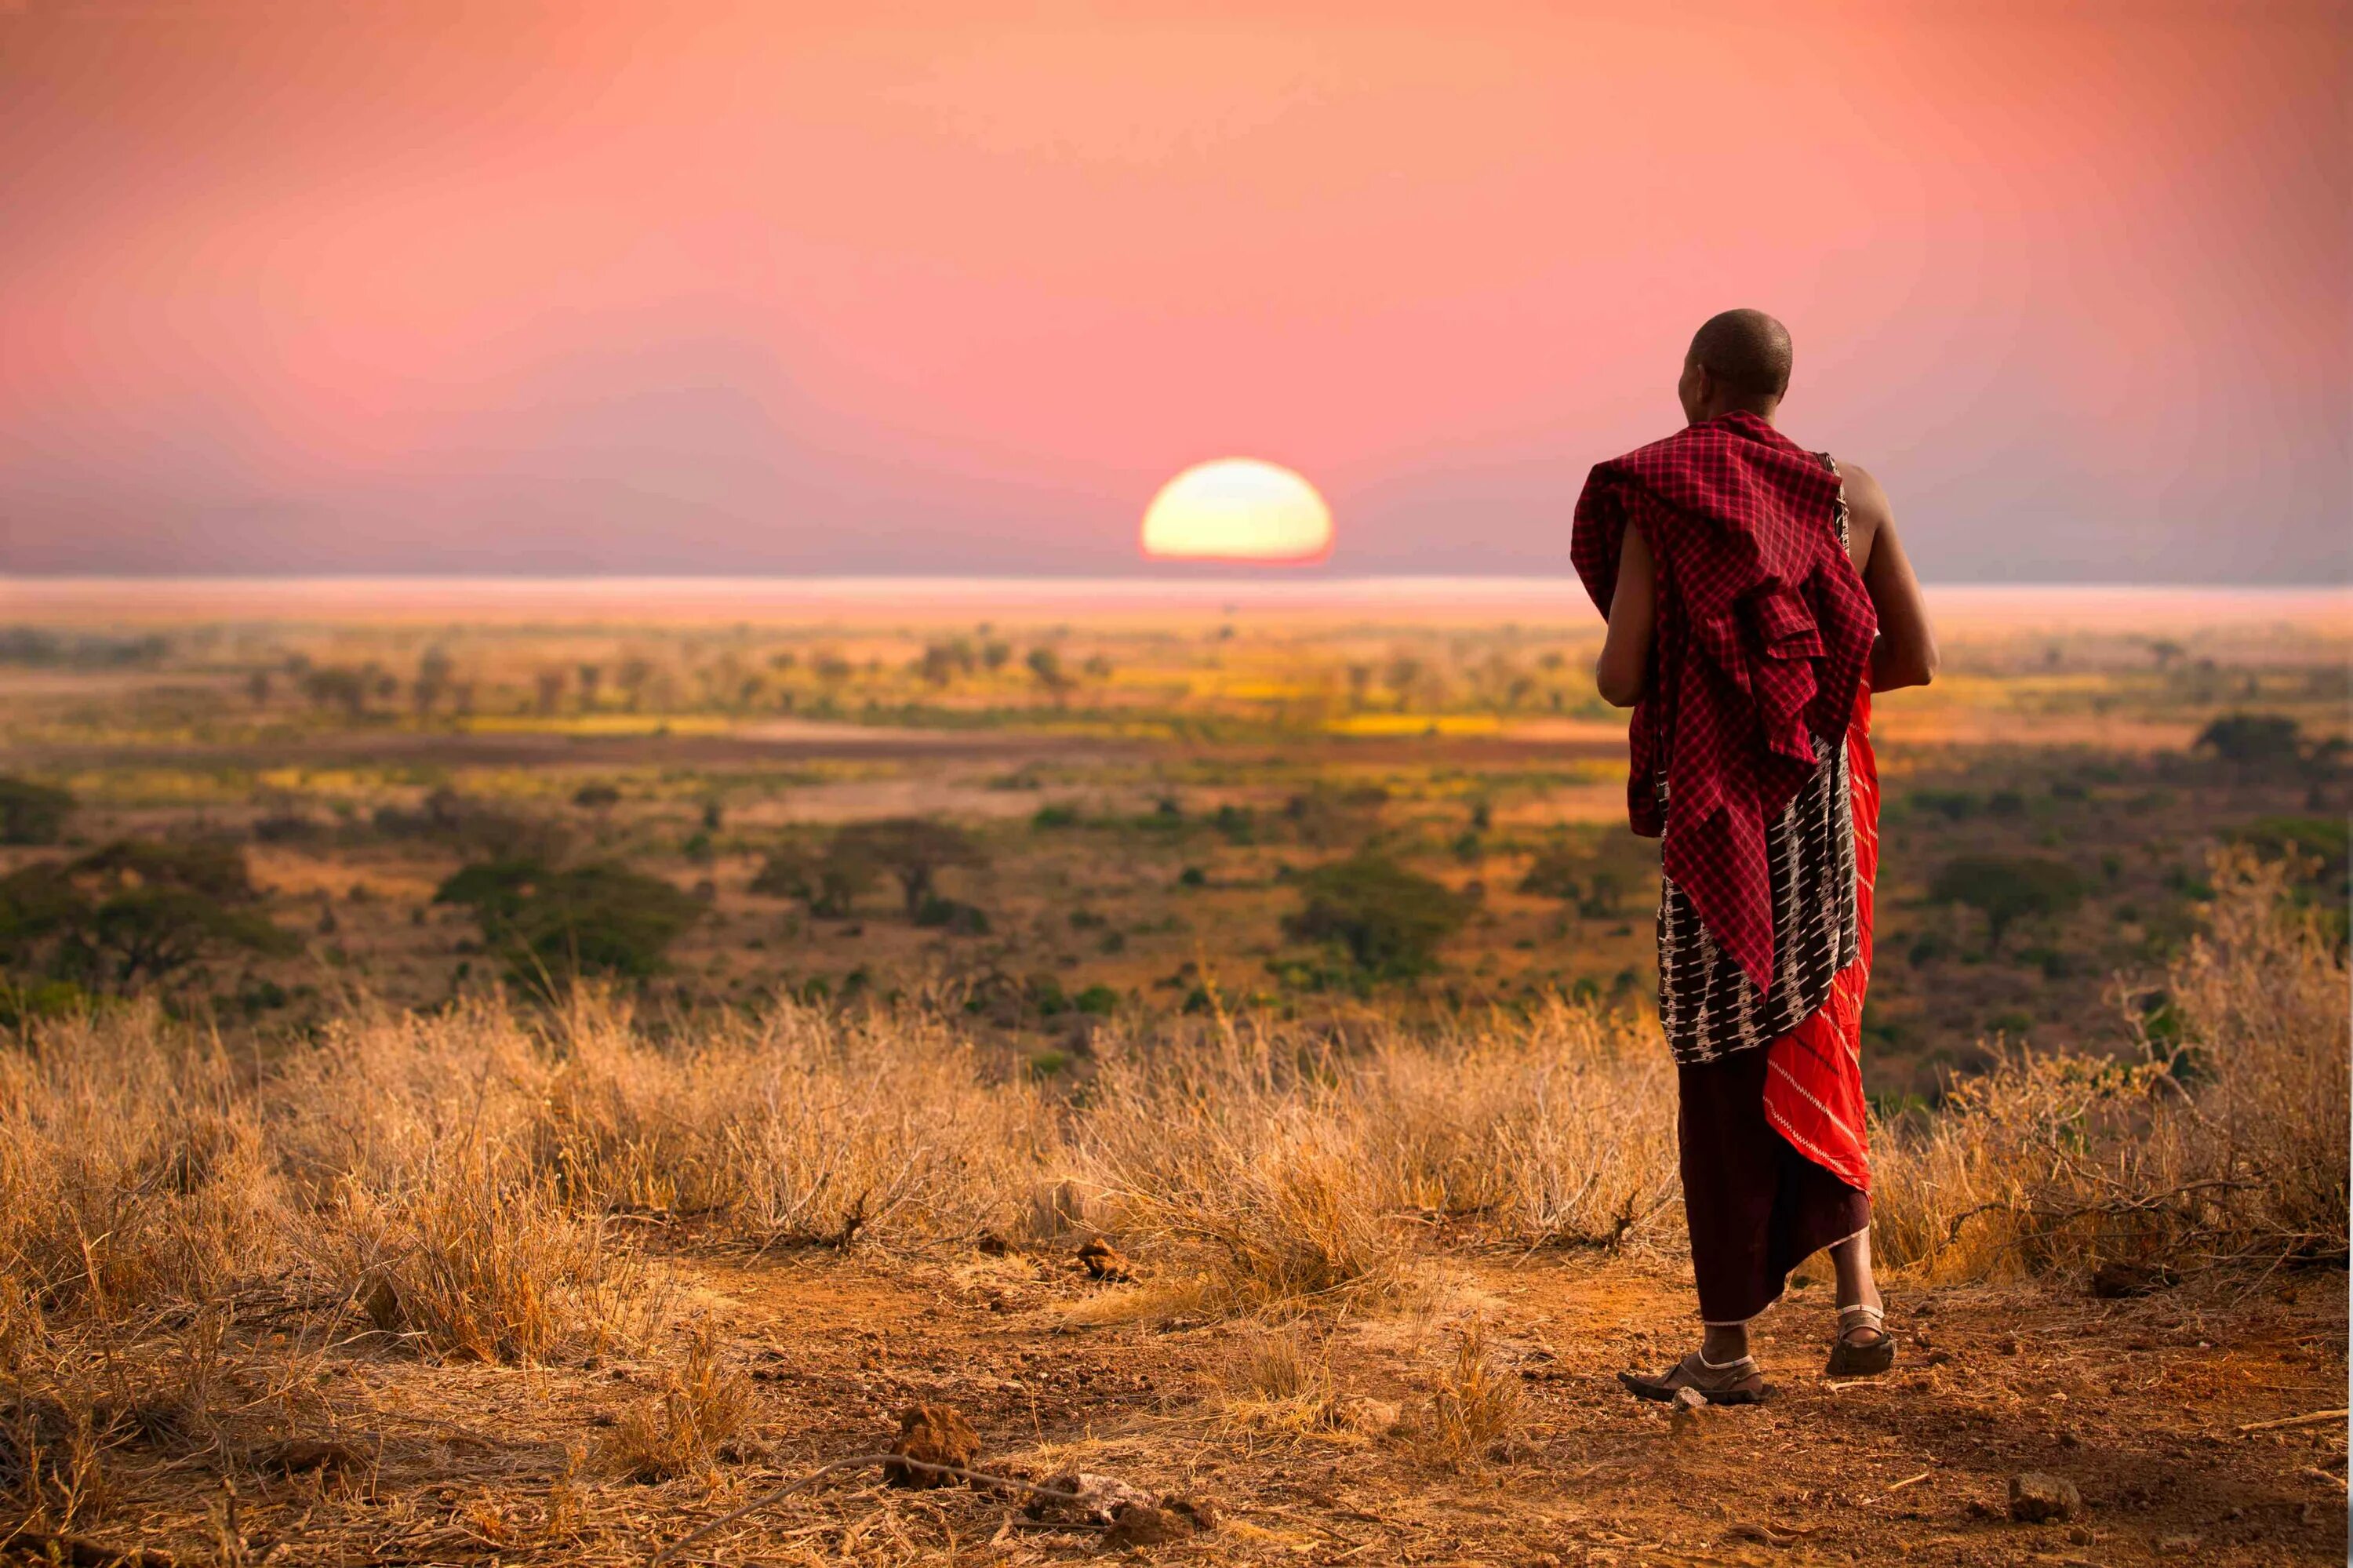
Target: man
x,y
1756,594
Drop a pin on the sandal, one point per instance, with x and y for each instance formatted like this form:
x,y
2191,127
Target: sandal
x,y
1733,1383
1870,1357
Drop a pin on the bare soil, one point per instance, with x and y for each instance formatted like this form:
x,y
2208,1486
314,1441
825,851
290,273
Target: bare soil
x,y
2155,1408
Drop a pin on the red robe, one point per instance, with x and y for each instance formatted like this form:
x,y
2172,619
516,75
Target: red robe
x,y
1813,1075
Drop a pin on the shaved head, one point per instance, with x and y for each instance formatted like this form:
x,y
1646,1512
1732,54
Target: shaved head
x,y
1747,353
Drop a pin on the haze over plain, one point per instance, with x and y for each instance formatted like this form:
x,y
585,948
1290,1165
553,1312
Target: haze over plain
x,y
940,288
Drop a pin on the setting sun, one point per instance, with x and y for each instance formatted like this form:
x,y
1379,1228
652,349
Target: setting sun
x,y
1238,509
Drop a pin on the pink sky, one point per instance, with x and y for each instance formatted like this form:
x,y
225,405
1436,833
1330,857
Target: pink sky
x,y
292,287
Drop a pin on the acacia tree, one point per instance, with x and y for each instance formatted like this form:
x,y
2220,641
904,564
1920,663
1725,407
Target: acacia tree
x,y
435,671
1046,668
137,911
828,883
914,850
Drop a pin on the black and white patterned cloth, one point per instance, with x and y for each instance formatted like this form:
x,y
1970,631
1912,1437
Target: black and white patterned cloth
x,y
1707,1004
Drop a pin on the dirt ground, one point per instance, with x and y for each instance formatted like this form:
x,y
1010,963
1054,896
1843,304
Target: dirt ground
x,y
2173,1415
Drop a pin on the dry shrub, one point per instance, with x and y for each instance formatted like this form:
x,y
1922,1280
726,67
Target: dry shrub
x,y
1558,1129
1476,1407
2226,1147
51,1473
703,1407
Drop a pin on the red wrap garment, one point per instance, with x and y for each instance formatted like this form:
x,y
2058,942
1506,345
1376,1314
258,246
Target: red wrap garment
x,y
1813,1075
1764,640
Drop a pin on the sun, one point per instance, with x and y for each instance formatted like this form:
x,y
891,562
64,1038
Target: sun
x,y
1238,509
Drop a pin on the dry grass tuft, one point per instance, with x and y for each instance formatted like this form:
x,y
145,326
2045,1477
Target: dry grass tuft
x,y
1279,1382
1282,1169
800,1128
131,1169
51,1476
1477,1407
1279,1363
704,1407
488,1264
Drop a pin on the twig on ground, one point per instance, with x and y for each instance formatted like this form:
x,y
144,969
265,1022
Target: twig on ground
x,y
2315,1419
859,1461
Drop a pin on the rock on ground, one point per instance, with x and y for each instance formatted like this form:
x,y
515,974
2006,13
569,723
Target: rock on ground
x,y
2036,1499
931,1435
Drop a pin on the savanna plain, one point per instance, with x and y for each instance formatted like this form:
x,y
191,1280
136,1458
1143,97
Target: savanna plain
x,y
1010,1074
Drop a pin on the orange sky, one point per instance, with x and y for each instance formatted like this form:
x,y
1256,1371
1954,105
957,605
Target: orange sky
x,y
294,287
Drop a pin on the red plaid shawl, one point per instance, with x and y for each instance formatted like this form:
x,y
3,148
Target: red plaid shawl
x,y
1764,639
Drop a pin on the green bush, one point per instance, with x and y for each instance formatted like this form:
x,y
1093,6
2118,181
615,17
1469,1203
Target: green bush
x,y
34,1000
1390,921
1043,993
32,813
2006,889
1556,873
551,925
957,919
2253,740
2321,841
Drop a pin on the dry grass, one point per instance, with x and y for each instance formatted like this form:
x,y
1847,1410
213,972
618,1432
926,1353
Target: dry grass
x,y
131,1169
475,1185
2227,1146
461,1177
1279,1166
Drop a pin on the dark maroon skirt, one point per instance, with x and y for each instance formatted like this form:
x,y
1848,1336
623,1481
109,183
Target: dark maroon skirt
x,y
1757,1207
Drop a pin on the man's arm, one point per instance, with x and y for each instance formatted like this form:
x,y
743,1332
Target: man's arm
x,y
1625,664
1905,653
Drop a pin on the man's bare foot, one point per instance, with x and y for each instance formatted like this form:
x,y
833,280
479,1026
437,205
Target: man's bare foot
x,y
1735,1383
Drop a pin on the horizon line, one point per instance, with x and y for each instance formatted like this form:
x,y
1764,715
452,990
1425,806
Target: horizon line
x,y
909,579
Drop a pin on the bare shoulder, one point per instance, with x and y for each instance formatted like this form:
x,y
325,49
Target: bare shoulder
x,y
1867,512
1864,498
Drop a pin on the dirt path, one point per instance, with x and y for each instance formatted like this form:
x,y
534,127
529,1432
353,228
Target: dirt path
x,y
2143,1404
